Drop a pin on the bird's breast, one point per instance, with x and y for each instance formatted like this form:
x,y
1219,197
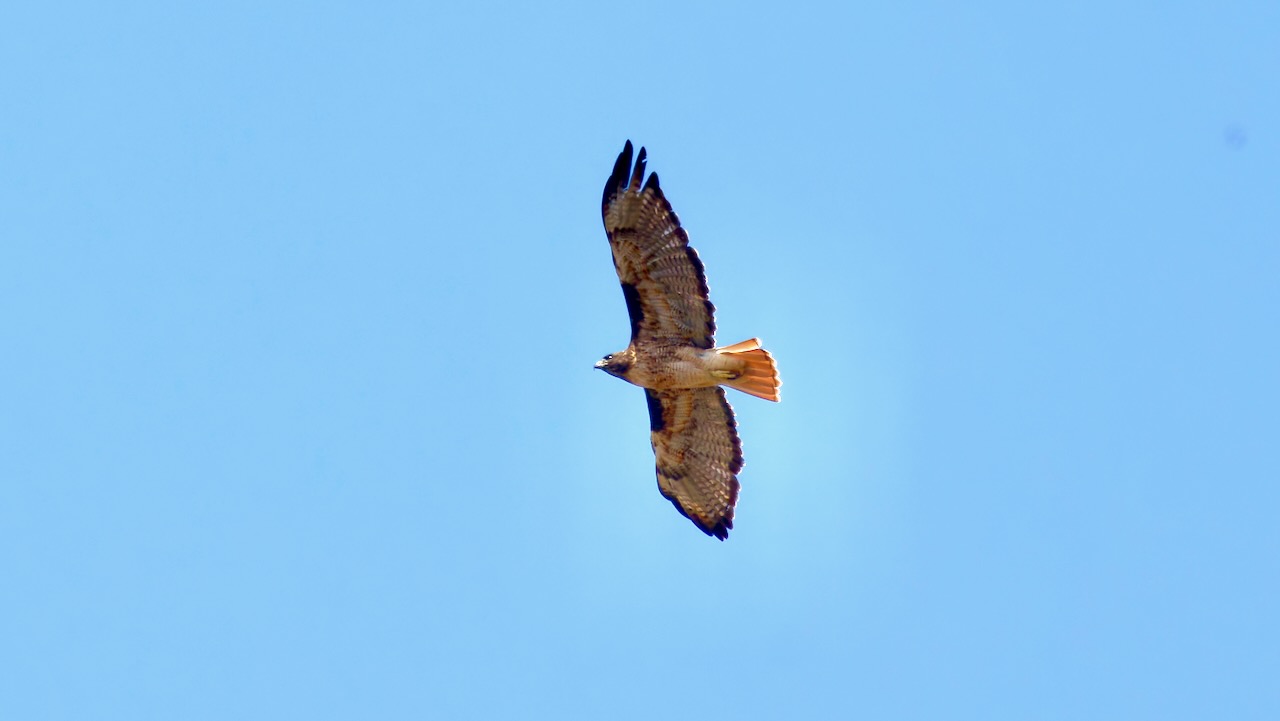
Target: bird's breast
x,y
669,366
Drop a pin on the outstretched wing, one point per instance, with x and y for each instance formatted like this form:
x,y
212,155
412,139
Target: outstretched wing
x,y
695,442
662,278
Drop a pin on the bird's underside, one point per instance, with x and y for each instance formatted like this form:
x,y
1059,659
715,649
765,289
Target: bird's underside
x,y
672,354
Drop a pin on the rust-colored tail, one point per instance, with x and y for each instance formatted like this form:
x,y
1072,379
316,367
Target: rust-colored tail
x,y
760,374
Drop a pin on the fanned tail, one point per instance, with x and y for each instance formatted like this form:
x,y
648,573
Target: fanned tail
x,y
760,375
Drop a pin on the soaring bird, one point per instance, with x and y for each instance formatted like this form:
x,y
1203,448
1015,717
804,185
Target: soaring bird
x,y
672,354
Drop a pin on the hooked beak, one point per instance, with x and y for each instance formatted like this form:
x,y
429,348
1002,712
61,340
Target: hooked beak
x,y
599,365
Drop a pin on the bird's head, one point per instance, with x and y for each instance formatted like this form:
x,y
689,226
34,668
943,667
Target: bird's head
x,y
616,364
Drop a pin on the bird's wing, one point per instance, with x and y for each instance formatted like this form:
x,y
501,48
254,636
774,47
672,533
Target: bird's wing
x,y
662,278
695,442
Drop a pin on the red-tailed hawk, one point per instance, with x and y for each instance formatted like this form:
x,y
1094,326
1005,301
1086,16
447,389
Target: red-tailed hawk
x,y
672,354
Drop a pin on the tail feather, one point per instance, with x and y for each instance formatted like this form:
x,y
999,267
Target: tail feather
x,y
748,344
760,373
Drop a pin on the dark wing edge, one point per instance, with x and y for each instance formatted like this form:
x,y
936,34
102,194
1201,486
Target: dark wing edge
x,y
627,178
618,179
664,411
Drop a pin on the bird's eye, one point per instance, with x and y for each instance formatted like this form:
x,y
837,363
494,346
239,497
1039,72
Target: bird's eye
x,y
609,357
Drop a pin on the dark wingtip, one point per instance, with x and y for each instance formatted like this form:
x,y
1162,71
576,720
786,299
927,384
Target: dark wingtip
x,y
721,527
652,182
638,174
626,176
621,169
721,530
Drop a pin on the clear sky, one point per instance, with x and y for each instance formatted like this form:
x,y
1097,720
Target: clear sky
x,y
299,304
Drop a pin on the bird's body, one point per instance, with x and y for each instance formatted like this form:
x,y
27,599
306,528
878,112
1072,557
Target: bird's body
x,y
671,365
672,354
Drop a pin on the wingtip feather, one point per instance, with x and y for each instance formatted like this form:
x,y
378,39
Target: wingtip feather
x,y
618,178
637,175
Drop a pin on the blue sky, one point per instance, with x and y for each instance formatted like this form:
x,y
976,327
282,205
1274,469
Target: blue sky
x,y
300,302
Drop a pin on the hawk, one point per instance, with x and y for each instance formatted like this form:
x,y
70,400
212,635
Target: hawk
x,y
672,354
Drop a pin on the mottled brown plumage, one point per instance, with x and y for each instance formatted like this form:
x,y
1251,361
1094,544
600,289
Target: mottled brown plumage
x,y
672,354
